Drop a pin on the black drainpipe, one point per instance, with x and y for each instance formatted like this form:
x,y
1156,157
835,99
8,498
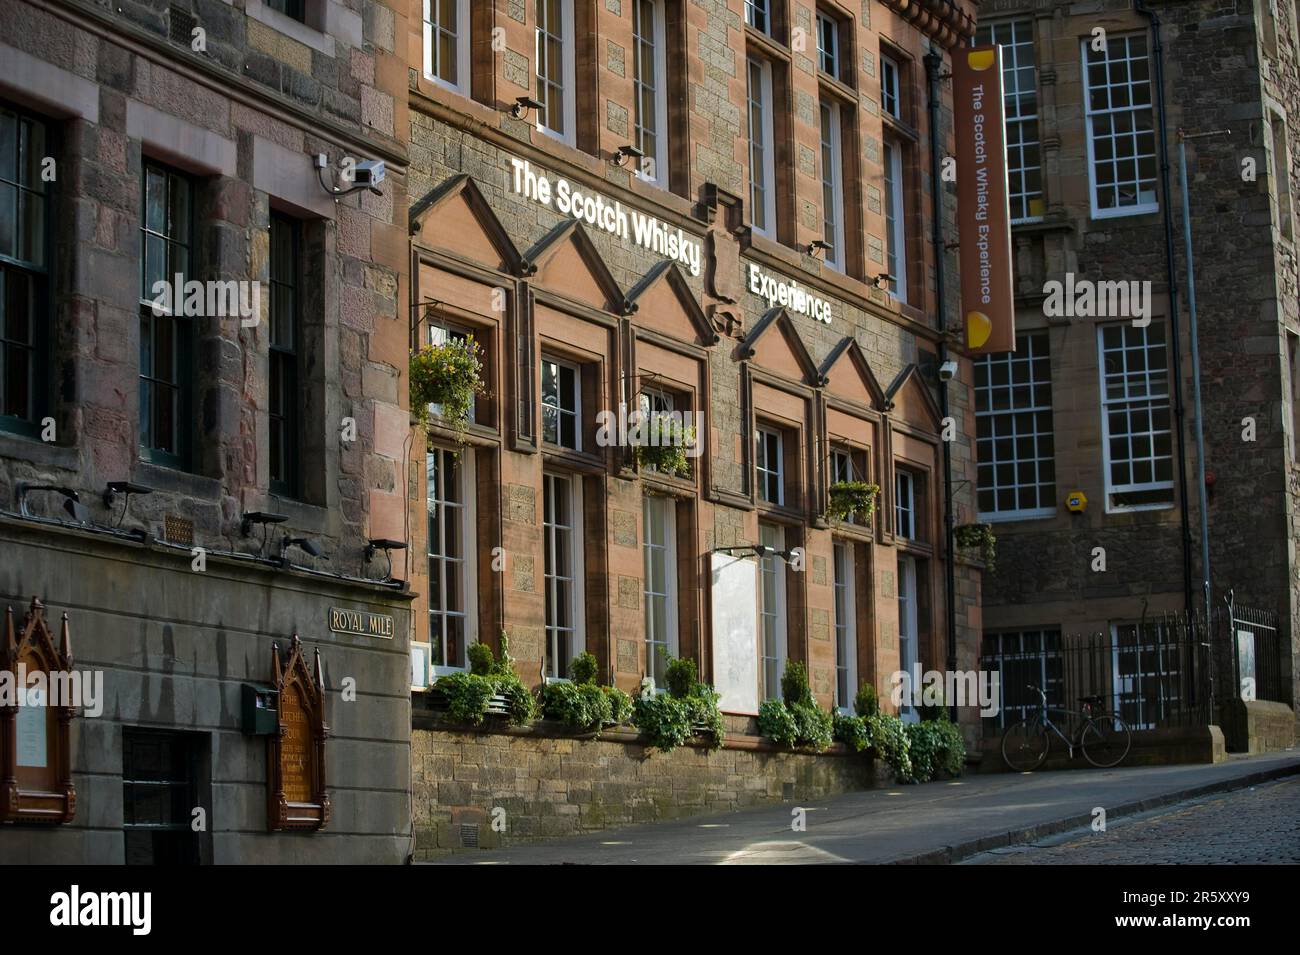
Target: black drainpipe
x,y
934,73
1167,207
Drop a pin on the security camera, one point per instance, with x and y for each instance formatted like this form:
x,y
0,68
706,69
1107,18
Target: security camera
x,y
948,371
369,173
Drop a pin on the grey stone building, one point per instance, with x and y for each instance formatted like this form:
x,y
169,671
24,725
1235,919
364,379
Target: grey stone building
x,y
142,142
1097,404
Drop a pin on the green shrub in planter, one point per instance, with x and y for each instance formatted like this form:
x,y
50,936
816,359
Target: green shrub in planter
x,y
702,703
468,695
794,684
620,704
581,707
813,725
663,719
852,732
583,668
849,499
981,536
866,704
664,447
519,699
924,744
481,660
951,757
448,375
777,723
890,743
681,677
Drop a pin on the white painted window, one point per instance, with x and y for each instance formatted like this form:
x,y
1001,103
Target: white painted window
x,y
650,93
1015,441
439,334
846,656
762,164
758,14
904,505
841,466
451,535
1022,658
1147,667
832,185
769,465
660,585
771,610
561,404
446,43
907,625
556,71
828,44
890,99
1136,438
1121,126
562,532
1020,95
895,222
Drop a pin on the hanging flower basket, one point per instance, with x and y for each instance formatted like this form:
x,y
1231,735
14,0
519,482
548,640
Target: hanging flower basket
x,y
448,376
663,447
981,536
849,499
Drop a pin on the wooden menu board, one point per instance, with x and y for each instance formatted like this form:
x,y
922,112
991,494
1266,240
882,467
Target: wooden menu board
x,y
297,798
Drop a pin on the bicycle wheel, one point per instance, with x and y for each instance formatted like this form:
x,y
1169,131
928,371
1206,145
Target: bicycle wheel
x,y
1105,740
1024,745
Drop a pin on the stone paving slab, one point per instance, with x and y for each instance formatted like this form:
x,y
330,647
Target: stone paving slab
x,y
935,823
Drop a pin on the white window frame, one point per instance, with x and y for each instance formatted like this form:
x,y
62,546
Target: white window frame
x,y
832,162
551,630
754,9
1023,142
904,504
1026,361
766,144
1127,687
439,333
561,411
829,53
1012,661
891,100
464,469
568,73
762,466
657,172
842,464
895,221
771,567
1152,401
1136,208
462,47
844,594
908,637
665,590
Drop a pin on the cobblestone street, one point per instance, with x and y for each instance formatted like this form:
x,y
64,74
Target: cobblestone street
x,y
1256,825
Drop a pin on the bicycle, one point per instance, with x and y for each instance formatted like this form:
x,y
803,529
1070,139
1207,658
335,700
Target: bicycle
x,y
1104,737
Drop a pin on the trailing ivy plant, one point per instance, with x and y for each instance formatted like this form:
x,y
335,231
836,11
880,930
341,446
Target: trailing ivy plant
x,y
620,704
467,695
890,743
520,702
852,498
776,722
981,536
702,703
663,719
448,375
813,725
581,707
795,719
852,732
664,444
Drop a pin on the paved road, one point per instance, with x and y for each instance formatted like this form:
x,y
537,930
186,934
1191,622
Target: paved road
x,y
936,822
1259,825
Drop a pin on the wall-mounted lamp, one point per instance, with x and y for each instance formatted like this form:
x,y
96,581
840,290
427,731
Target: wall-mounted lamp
x,y
882,280
818,245
114,488
302,543
365,174
757,550
387,546
259,517
523,104
71,500
625,153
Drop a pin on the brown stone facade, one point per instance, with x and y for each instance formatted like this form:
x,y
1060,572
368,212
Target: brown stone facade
x,y
534,285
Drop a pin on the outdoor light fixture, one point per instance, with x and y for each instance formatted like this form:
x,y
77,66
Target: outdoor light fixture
x,y
882,280
387,546
259,517
366,174
71,503
818,245
114,488
625,153
758,550
523,104
302,543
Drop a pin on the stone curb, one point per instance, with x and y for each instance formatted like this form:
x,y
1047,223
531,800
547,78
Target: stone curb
x,y
963,850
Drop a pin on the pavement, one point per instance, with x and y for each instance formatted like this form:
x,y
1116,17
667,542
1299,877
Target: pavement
x,y
939,822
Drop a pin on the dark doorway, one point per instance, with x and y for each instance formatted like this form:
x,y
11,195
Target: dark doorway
x,y
161,777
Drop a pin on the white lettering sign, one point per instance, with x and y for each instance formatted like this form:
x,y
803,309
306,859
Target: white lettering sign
x,y
788,294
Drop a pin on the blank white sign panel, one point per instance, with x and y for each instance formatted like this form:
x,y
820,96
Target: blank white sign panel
x,y
735,633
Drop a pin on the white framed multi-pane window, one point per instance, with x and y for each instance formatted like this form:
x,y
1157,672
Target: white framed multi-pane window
x,y
1147,671
556,72
895,221
1014,436
446,43
832,157
1020,96
650,92
758,14
762,163
769,465
1136,434
660,518
1121,126
907,625
828,44
841,465
890,95
451,534
562,578
904,505
771,610
846,657
561,404
441,333
1022,658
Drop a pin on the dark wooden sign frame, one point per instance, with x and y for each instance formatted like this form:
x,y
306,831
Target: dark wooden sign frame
x,y
294,679
32,794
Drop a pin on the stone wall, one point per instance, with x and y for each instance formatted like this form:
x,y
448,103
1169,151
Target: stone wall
x,y
542,785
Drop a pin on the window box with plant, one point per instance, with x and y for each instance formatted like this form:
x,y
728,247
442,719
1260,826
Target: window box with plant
x,y
580,704
850,499
490,688
689,708
447,375
981,536
664,444
795,719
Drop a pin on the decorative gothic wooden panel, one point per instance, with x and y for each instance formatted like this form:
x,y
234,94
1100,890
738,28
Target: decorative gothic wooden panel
x,y
296,754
